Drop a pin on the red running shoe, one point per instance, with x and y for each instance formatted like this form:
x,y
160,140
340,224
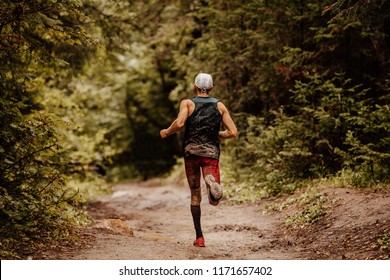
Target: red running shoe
x,y
199,242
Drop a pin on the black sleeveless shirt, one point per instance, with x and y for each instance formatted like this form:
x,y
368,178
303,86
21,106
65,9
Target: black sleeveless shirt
x,y
202,129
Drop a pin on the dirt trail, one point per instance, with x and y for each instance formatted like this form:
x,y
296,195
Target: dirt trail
x,y
151,221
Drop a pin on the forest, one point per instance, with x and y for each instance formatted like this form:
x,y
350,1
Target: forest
x,y
87,85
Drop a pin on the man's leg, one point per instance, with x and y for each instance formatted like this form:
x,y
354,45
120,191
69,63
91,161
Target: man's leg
x,y
192,167
210,169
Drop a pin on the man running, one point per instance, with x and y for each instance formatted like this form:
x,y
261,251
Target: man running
x,y
202,117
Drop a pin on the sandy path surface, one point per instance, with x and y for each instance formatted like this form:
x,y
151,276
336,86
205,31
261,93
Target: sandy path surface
x,y
149,221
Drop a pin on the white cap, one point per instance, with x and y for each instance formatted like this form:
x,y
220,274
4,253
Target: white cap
x,y
204,82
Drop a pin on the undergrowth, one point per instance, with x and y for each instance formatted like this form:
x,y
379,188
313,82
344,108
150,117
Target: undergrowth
x,y
384,242
38,224
311,205
310,214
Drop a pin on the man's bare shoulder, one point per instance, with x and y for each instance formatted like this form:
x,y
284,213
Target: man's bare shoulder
x,y
186,101
221,107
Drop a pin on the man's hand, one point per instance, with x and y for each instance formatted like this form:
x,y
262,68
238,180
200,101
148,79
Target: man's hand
x,y
164,134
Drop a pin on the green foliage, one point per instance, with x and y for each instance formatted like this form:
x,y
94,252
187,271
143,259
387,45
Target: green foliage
x,y
37,38
331,124
333,129
272,158
309,215
135,85
35,202
306,208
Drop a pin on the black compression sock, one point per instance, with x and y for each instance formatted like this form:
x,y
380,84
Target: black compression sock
x,y
196,213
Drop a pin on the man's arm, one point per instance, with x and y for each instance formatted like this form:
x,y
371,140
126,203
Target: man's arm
x,y
179,122
231,129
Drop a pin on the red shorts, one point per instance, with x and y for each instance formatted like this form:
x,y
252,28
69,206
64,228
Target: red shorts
x,y
194,165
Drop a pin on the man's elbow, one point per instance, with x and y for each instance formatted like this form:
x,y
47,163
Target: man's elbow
x,y
180,124
232,133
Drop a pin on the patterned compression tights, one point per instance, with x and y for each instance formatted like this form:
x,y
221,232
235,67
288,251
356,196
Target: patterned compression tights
x,y
193,166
